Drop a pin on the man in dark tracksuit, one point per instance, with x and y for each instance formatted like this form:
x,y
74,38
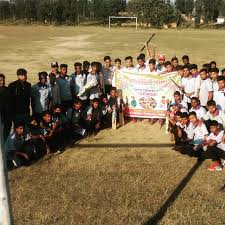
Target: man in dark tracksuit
x,y
20,91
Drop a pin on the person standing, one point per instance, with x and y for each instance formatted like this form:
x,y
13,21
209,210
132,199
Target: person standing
x,y
55,94
5,107
107,72
40,96
65,88
20,91
79,81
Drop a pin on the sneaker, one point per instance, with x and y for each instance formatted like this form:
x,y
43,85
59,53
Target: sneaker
x,y
222,162
216,166
134,120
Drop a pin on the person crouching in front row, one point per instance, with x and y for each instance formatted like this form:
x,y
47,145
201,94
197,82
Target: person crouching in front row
x,y
18,150
94,117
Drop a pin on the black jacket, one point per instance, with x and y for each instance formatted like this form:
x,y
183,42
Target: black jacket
x,y
21,96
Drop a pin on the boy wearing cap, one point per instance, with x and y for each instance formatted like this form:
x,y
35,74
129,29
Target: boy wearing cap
x,y
20,91
55,69
66,88
160,66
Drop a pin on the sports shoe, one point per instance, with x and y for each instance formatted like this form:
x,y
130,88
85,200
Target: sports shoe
x,y
222,162
216,166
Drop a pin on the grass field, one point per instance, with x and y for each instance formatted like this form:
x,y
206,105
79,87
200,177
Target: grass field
x,y
129,176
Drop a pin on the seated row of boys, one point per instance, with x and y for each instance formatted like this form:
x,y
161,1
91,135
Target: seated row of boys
x,y
198,132
47,132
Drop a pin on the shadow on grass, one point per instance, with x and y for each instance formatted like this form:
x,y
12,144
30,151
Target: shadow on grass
x,y
169,202
120,145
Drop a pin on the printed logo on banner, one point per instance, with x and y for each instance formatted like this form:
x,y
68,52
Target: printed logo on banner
x,y
146,96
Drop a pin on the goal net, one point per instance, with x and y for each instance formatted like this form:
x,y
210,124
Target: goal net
x,y
123,17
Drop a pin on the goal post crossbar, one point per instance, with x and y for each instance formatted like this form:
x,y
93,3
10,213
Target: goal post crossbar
x,y
123,17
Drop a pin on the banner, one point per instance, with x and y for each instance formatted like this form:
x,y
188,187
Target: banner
x,y
146,96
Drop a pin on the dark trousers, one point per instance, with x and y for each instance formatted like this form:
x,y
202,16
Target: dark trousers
x,y
106,120
66,105
27,149
213,153
85,104
108,88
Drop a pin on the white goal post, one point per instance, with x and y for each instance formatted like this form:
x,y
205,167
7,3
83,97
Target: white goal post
x,y
123,17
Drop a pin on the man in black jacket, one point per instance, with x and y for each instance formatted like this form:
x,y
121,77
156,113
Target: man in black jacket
x,y
20,91
5,108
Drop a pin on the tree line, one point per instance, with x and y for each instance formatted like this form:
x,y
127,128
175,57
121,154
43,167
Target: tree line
x,y
150,12
60,11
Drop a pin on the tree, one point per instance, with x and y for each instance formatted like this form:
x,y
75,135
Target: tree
x,y
181,5
5,11
185,6
189,7
154,12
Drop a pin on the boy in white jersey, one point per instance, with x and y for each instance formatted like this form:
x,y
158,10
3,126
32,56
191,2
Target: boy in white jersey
x,y
213,146
142,68
152,67
130,68
117,69
213,74
188,85
219,96
214,114
204,88
197,108
168,67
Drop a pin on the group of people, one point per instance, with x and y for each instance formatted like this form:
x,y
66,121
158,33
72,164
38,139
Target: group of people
x,y
70,106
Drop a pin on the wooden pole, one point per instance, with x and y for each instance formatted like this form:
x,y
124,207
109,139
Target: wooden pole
x,y
5,205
